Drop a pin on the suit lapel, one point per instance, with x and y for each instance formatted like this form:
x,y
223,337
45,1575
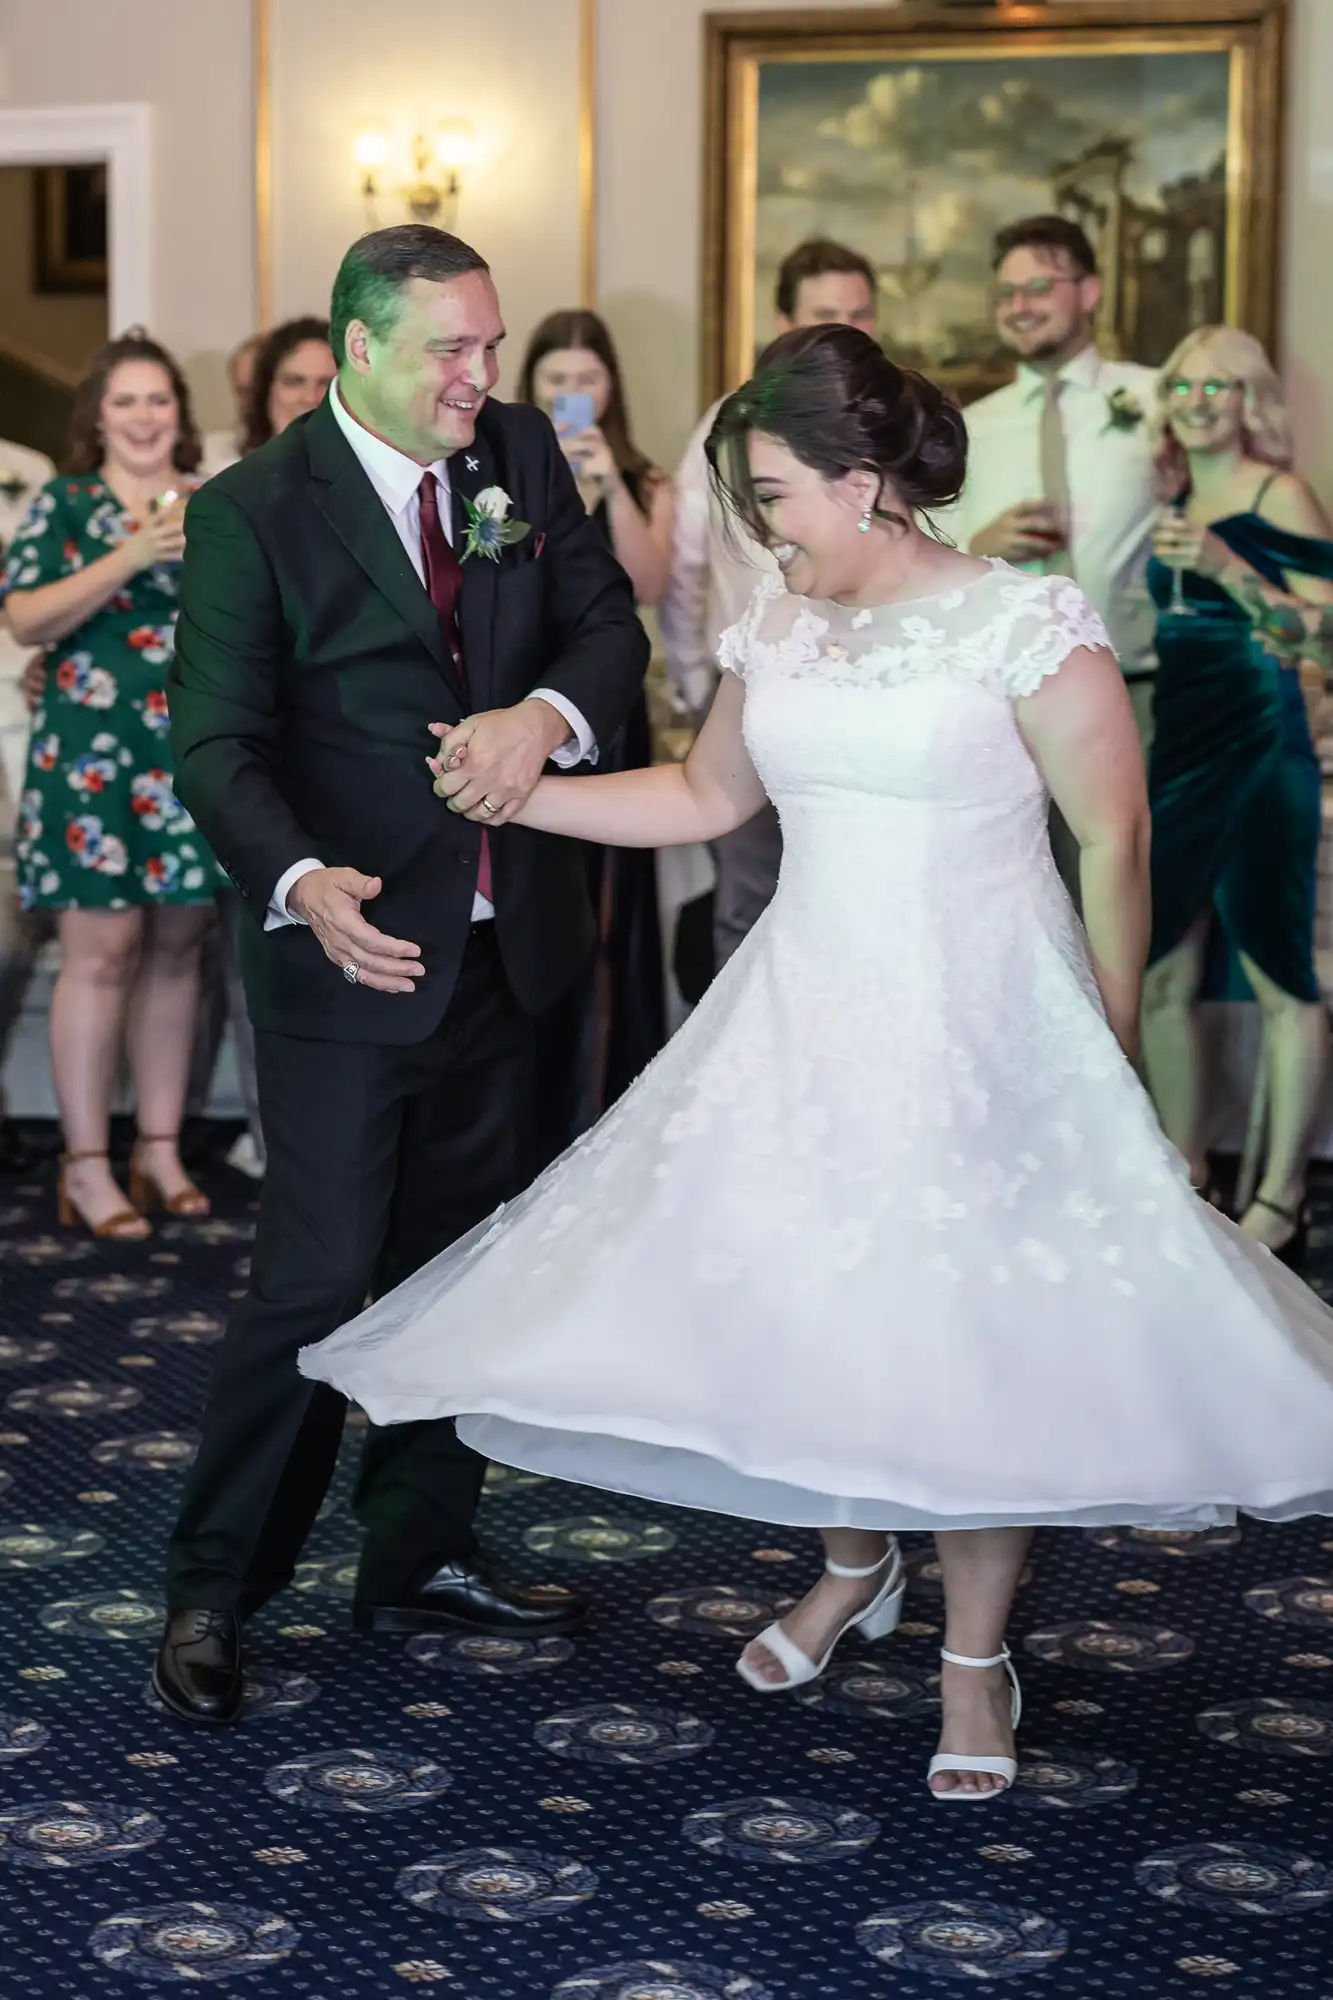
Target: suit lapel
x,y
354,510
470,472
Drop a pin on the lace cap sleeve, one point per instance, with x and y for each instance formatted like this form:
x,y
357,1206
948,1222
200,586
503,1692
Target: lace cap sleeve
x,y
1052,619
733,648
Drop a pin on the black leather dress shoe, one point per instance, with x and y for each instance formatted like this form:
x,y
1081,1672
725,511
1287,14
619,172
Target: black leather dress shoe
x,y
466,1596
197,1674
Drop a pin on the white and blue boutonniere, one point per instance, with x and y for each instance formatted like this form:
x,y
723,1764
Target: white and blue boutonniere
x,y
489,528
1124,412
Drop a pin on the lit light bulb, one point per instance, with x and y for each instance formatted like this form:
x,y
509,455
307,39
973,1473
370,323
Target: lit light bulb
x,y
370,150
455,146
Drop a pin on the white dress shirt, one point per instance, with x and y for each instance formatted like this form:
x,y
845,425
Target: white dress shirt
x,y
714,569
396,479
1114,501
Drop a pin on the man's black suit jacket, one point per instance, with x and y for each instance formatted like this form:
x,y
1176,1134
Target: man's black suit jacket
x,y
309,662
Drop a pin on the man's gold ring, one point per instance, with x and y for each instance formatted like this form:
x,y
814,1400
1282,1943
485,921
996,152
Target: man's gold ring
x,y
486,807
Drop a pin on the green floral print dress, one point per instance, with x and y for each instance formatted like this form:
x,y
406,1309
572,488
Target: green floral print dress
x,y
99,826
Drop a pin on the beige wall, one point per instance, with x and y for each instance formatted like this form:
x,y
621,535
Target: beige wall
x,y
650,193
511,68
192,64
63,330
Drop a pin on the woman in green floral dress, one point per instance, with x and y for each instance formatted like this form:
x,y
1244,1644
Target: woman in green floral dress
x,y
93,577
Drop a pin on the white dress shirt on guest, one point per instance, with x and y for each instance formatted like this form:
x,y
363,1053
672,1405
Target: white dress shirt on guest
x,y
1114,499
714,569
396,478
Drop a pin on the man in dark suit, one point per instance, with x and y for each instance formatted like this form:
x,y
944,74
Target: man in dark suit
x,y
335,604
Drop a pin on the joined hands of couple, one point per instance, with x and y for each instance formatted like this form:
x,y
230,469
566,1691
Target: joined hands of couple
x,y
486,769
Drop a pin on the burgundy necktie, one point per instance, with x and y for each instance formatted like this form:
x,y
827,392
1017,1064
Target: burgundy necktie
x,y
444,580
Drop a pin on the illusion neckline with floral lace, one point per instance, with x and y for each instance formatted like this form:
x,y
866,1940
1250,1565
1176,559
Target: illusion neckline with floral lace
x,y
993,563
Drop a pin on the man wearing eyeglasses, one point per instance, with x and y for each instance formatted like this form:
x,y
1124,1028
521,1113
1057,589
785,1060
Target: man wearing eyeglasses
x,y
1060,472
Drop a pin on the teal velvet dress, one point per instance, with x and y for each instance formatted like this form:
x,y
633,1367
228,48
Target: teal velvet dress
x,y
1233,778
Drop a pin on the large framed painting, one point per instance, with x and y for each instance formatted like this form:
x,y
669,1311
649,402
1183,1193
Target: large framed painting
x,y
914,133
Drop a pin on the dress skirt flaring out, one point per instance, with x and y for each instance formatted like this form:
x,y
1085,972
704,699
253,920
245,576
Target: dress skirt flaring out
x,y
888,1235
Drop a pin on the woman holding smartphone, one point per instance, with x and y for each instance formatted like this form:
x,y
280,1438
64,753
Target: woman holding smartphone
x,y
603,1034
93,578
571,371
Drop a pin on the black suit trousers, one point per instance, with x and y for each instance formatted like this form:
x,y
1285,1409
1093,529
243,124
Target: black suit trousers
x,y
378,1158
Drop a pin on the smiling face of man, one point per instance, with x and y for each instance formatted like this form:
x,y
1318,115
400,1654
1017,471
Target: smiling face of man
x,y
1044,304
421,383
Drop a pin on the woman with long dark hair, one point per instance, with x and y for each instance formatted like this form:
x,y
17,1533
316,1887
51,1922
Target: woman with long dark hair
x,y
605,1031
93,577
293,369
572,354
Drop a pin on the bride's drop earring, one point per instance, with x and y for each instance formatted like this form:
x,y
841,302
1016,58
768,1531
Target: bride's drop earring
x,y
864,523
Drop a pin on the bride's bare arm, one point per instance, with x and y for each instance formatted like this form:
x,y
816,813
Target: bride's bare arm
x,y
1080,729
713,791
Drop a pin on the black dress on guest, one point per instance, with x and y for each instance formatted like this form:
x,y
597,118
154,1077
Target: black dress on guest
x,y
612,1022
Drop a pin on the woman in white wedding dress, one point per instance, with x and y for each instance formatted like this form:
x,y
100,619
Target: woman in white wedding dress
x,y
887,1237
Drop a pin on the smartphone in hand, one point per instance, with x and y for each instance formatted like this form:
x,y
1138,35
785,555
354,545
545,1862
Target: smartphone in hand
x,y
573,413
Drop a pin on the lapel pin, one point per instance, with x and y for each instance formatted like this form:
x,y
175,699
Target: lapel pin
x,y
472,464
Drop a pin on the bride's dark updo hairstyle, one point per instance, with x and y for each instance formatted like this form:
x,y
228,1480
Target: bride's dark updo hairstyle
x,y
832,396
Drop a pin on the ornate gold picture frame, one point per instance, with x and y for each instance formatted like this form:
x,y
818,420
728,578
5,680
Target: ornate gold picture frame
x,y
914,133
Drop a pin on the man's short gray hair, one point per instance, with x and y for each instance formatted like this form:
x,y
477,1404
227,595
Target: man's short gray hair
x,y
372,275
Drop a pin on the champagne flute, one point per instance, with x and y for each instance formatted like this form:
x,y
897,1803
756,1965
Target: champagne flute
x,y
1179,606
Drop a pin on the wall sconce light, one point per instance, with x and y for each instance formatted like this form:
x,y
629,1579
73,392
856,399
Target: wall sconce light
x,y
370,150
431,194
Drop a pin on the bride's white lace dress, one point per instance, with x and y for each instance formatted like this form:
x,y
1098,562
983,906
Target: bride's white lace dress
x,y
888,1233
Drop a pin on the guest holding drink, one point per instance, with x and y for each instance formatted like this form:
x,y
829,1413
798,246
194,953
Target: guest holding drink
x,y
93,578
605,1031
1061,476
1243,568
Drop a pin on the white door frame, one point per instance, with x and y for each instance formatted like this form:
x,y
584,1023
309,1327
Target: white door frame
x,y
120,135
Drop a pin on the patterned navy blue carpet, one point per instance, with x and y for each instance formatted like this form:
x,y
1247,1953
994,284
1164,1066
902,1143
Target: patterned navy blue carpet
x,y
618,1818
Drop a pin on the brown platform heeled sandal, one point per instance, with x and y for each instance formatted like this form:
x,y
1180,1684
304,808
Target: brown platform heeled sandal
x,y
146,1193
127,1225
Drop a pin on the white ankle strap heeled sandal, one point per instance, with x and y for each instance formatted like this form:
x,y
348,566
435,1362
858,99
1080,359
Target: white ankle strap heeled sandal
x,y
998,1767
876,1620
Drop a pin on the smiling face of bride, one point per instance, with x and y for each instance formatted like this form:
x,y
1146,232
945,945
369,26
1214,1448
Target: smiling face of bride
x,y
829,454
812,524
